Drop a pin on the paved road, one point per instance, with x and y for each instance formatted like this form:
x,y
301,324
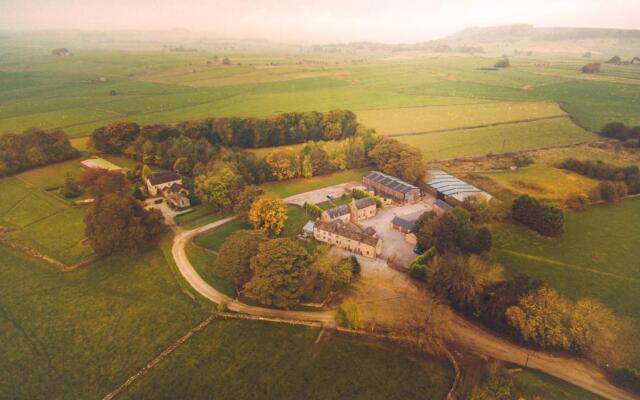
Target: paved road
x,y
464,333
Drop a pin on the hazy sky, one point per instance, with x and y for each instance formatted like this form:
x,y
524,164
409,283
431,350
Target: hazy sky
x,y
316,21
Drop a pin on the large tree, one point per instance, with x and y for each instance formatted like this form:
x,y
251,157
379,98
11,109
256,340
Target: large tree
x,y
118,223
218,188
398,159
114,138
268,214
234,257
284,163
279,269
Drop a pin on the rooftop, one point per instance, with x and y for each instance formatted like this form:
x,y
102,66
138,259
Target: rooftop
x,y
451,186
341,229
100,163
365,202
338,211
404,223
158,178
390,181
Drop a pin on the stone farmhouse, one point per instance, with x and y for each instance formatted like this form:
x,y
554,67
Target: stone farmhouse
x,y
357,210
390,187
168,185
348,236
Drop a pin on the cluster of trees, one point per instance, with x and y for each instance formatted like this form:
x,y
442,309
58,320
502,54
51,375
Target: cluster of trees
x,y
398,159
620,181
117,222
288,128
619,131
33,148
504,63
543,218
279,271
452,230
591,68
361,194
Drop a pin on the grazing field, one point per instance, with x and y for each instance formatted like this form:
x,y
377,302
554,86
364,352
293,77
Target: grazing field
x,y
40,219
80,334
214,239
400,121
249,359
301,185
201,215
498,139
203,261
594,257
296,218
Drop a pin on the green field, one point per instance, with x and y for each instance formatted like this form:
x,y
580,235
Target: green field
x,y
498,139
295,186
41,219
398,121
249,360
595,257
214,239
203,261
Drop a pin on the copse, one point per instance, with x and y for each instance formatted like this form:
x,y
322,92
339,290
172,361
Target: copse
x,y
544,219
33,148
622,132
628,175
398,159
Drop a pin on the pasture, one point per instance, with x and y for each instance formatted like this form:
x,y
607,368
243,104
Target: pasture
x,y
399,121
41,219
498,139
300,185
593,258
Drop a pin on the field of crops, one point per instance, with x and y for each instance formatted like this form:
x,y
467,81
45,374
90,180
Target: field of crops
x,y
398,121
498,139
592,258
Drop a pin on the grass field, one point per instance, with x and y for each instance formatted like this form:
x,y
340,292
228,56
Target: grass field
x,y
203,261
248,360
426,119
498,139
41,219
533,384
214,239
301,185
592,258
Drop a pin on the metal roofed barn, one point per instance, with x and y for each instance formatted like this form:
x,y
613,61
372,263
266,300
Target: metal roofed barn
x,y
451,189
391,187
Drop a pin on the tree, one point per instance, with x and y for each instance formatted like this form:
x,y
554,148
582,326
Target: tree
x,y
234,257
591,68
398,159
461,280
577,201
226,61
348,315
545,219
115,137
542,317
118,223
615,130
101,182
246,197
327,274
145,172
284,163
218,189
615,60
279,269
504,63
319,160
71,188
268,214
307,168
609,191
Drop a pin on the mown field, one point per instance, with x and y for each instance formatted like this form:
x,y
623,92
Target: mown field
x,y
398,121
595,257
498,139
151,87
249,360
40,218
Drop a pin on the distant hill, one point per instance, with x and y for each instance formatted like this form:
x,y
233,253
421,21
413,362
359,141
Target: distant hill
x,y
513,33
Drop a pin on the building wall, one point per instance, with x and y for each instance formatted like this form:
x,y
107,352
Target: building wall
x,y
363,213
325,217
381,190
347,244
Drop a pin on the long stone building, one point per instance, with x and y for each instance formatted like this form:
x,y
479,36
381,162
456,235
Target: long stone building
x,y
341,234
390,187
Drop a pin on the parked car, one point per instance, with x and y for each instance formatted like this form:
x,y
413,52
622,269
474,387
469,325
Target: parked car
x,y
418,250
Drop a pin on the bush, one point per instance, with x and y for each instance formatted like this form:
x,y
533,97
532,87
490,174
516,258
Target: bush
x,y
592,68
577,201
612,191
418,271
504,63
544,219
312,209
348,315
355,265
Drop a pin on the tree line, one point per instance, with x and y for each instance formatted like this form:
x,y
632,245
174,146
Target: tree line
x,y
33,148
630,136
287,128
618,181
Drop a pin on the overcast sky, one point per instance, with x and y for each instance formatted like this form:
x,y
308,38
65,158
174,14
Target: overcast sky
x,y
315,21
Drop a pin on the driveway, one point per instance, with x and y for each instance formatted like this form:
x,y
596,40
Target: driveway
x,y
395,249
320,195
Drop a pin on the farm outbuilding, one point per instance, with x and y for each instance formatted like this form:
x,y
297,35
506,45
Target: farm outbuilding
x,y
390,187
100,163
452,190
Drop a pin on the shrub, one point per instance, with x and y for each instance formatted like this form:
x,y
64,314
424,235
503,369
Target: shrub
x,y
592,68
612,191
348,315
544,219
418,271
577,201
312,209
355,265
504,63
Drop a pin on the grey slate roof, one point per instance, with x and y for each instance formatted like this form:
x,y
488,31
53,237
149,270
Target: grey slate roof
x,y
404,223
340,229
390,181
339,211
451,186
365,202
158,178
